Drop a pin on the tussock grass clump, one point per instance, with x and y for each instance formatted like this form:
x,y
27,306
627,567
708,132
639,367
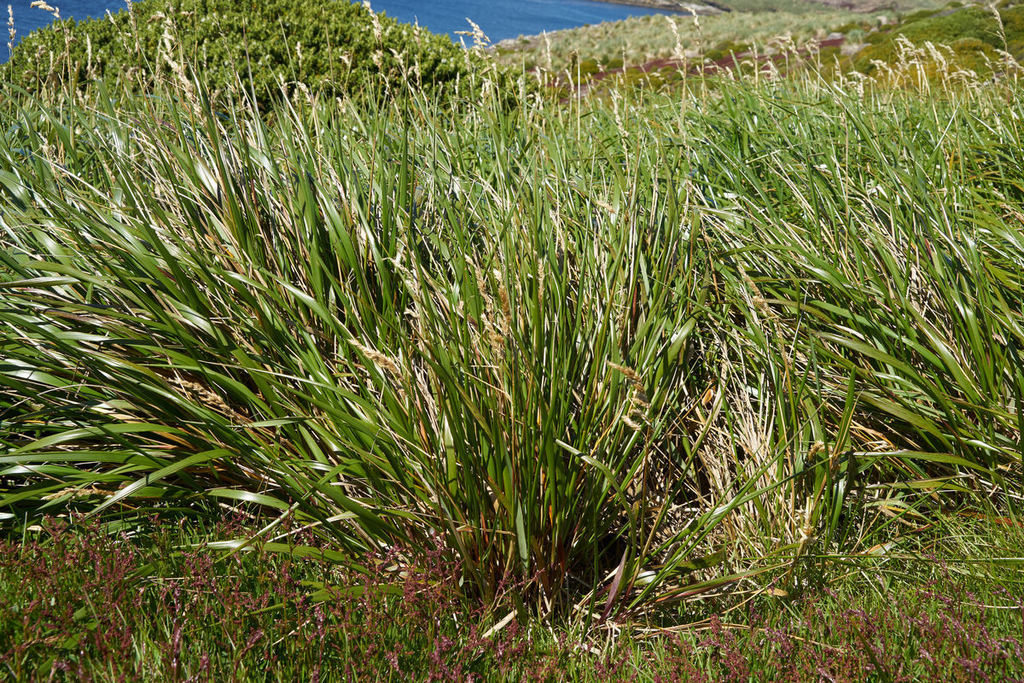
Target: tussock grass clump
x,y
617,353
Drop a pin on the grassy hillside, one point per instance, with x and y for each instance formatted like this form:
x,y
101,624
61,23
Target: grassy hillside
x,y
977,38
864,7
641,39
929,44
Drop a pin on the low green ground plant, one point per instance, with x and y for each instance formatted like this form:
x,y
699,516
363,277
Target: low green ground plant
x,y
83,605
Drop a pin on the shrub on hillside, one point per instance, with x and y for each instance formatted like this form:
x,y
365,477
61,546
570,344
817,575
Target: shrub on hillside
x,y
332,46
973,35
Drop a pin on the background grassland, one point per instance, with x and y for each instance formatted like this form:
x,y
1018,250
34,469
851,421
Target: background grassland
x,y
863,7
640,39
976,40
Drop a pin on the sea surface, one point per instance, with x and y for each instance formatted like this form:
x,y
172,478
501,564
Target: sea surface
x,y
499,19
28,18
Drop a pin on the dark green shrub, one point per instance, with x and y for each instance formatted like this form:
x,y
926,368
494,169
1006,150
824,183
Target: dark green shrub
x,y
878,37
972,33
969,22
588,67
851,26
973,54
725,50
332,46
919,15
827,55
1013,25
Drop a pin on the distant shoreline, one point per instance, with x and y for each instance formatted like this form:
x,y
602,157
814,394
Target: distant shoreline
x,y
678,6
700,7
675,6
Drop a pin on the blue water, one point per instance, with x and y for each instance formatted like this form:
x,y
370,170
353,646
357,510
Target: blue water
x,y
502,19
499,19
28,19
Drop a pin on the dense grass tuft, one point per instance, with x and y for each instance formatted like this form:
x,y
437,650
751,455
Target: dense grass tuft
x,y
616,353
